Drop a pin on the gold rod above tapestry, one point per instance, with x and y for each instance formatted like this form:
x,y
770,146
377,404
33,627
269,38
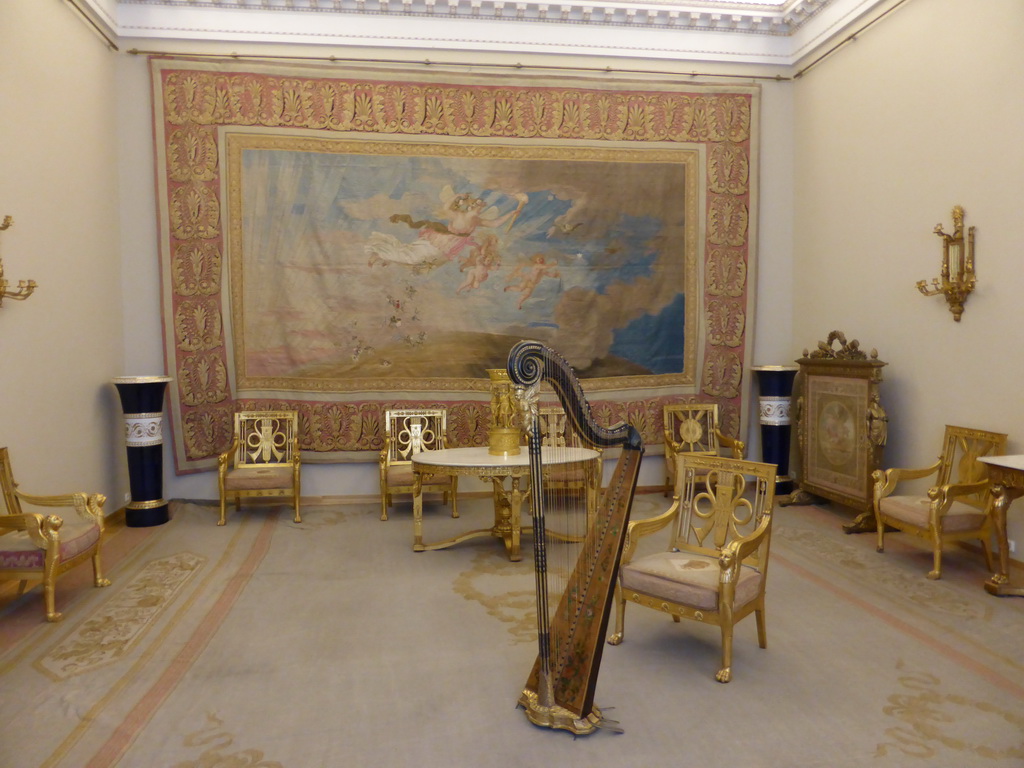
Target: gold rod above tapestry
x,y
470,64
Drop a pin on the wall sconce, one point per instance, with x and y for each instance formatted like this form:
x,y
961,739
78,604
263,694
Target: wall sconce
x,y
956,280
25,287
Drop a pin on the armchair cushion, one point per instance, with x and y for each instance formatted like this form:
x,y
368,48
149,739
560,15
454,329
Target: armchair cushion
x,y
19,552
258,478
915,510
687,578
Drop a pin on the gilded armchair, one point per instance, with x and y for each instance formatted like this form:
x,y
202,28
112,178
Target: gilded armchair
x,y
37,546
693,428
715,567
955,507
263,460
407,431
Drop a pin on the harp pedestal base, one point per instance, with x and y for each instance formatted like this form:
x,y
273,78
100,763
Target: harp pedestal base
x,y
557,717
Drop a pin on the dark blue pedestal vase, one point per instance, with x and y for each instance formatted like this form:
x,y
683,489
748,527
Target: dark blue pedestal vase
x,y
142,400
775,383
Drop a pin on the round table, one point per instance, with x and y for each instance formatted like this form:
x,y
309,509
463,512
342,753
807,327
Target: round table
x,y
508,503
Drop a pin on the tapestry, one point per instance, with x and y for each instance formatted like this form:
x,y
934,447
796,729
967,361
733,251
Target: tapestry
x,y
344,243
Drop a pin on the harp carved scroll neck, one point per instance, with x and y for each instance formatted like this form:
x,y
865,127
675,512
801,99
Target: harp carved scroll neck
x,y
530,363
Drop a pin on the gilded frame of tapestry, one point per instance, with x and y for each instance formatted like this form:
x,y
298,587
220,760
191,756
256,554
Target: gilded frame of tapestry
x,y
201,107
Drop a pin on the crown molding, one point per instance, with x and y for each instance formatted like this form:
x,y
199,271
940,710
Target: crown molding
x,y
777,34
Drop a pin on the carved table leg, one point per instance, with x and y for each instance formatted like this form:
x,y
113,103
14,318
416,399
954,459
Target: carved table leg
x,y
417,512
999,583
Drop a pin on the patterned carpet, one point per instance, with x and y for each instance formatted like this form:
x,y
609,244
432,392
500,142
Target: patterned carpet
x,y
331,643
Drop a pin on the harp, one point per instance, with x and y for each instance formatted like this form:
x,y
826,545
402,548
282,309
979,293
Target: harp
x,y
559,692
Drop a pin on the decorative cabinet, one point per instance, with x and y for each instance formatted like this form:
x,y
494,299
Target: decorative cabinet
x,y
841,425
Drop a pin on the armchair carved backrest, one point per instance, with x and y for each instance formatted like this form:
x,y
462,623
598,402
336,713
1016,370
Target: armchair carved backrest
x,y
715,565
693,428
955,507
263,459
41,546
407,431
555,432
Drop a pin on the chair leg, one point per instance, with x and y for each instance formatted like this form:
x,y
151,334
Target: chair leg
x,y
762,632
223,510
986,549
455,496
880,526
384,502
22,585
295,505
724,675
936,572
620,617
97,571
49,598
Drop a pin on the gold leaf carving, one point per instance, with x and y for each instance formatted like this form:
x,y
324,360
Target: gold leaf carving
x,y
727,220
202,378
187,98
728,169
723,370
192,154
725,272
207,431
197,324
195,268
726,320
194,212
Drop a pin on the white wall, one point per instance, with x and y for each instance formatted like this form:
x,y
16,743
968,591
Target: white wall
x,y
59,180
921,113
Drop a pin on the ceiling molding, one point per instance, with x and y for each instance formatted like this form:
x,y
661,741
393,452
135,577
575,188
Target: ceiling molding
x,y
778,34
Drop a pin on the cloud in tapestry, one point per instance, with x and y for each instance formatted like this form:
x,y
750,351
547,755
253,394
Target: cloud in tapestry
x,y
359,259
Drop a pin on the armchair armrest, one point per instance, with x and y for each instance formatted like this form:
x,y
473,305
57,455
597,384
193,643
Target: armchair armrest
x,y
88,506
637,529
942,496
886,480
224,459
738,550
738,447
41,529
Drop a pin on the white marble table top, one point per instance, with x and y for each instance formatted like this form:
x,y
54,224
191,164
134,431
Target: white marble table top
x,y
1008,462
479,456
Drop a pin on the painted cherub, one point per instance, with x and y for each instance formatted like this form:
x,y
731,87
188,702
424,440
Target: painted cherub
x,y
481,261
530,275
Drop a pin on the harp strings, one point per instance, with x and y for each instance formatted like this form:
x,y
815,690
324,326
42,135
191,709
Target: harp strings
x,y
565,508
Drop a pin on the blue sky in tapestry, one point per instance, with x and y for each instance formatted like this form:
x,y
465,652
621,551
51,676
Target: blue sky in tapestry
x,y
415,258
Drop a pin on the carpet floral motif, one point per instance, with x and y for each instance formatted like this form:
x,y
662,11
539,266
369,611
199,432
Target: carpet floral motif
x,y
116,628
216,739
505,591
933,720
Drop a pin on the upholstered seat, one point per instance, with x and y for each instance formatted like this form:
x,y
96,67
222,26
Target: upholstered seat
x,y
955,507
263,460
688,578
715,567
34,545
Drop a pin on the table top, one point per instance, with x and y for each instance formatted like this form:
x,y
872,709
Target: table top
x,y
479,456
1006,462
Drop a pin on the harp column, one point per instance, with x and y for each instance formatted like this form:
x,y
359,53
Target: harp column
x,y
776,390
142,400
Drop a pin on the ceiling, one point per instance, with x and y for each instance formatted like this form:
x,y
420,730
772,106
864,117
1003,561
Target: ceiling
x,y
778,33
